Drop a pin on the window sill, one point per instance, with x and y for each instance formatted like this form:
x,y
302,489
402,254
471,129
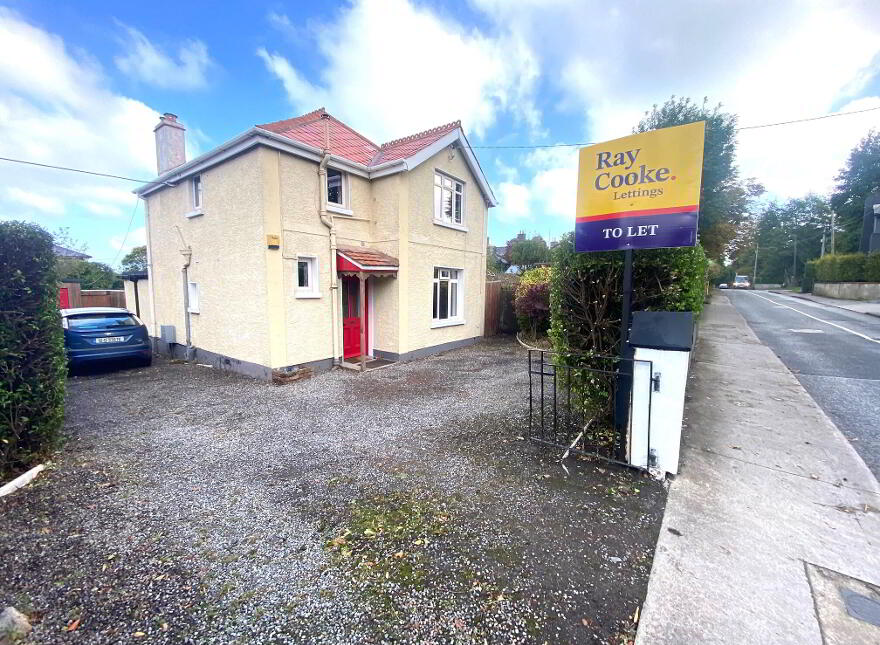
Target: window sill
x,y
197,212
339,210
308,294
436,324
456,227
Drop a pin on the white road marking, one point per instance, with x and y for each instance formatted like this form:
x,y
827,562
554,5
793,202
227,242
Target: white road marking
x,y
827,322
806,331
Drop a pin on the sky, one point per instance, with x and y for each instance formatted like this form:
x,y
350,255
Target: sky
x,y
82,85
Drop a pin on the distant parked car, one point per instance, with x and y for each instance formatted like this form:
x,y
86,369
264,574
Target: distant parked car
x,y
104,333
742,282
723,285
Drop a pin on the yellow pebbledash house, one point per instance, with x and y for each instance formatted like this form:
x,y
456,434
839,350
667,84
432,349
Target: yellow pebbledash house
x,y
303,244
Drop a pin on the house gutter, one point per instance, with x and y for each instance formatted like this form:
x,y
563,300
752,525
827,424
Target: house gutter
x,y
328,221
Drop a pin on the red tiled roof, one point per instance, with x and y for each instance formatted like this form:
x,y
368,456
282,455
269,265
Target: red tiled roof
x,y
345,142
408,146
368,257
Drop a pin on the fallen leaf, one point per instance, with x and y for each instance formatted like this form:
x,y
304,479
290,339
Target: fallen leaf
x,y
399,554
72,625
139,634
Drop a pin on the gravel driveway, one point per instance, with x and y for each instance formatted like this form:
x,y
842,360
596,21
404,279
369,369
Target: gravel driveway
x,y
400,505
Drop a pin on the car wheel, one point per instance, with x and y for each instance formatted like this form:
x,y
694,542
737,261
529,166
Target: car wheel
x,y
146,362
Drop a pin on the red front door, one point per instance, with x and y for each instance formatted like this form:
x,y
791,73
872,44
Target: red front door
x,y
351,318
64,298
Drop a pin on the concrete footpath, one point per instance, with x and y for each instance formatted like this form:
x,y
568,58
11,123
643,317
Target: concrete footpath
x,y
869,307
772,527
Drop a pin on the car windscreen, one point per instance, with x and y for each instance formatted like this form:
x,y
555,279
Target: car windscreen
x,y
101,321
742,278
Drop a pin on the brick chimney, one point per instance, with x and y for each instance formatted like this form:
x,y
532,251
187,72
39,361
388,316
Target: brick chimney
x,y
170,143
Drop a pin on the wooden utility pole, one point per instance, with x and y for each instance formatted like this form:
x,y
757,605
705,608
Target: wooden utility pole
x,y
832,232
755,272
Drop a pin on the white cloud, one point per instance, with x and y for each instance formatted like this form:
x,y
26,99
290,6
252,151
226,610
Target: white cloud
x,y
766,62
514,201
58,110
43,203
136,237
390,68
549,192
146,62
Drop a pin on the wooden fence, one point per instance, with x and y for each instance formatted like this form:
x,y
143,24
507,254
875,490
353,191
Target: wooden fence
x,y
103,298
493,308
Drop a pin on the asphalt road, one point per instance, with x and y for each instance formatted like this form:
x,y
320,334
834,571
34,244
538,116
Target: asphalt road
x,y
834,353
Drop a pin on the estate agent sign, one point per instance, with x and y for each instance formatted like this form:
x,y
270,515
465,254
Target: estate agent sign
x,y
641,191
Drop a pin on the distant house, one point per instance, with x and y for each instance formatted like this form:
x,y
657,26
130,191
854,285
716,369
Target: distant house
x,y
301,243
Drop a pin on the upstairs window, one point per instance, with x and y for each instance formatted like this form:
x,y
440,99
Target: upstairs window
x,y
448,200
335,187
197,192
447,295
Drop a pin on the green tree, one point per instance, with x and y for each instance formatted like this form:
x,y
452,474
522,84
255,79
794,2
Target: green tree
x,y
724,197
529,253
856,180
135,261
787,236
92,275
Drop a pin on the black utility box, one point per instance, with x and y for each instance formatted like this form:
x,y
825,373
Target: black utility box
x,y
670,330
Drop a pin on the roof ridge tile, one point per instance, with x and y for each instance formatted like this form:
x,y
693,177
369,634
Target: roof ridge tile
x,y
424,133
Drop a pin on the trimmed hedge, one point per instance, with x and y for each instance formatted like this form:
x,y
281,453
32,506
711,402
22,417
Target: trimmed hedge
x,y
850,267
33,366
586,298
586,305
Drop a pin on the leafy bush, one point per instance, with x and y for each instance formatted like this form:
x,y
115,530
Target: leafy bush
x,y
849,267
586,305
32,361
532,301
809,276
872,267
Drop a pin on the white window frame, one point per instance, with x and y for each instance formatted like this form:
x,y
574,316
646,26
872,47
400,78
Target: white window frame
x,y
458,187
313,289
193,297
345,207
196,196
458,319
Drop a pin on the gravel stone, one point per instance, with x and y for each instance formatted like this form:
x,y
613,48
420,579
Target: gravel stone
x,y
191,505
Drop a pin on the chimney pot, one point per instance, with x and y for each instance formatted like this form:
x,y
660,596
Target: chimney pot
x,y
170,143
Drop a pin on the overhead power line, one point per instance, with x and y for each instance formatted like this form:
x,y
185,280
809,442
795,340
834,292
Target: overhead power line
x,y
484,147
745,127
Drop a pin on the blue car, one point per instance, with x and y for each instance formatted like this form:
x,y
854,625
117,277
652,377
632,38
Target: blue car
x,y
104,333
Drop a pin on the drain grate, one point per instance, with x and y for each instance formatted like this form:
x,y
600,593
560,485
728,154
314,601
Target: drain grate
x,y
861,607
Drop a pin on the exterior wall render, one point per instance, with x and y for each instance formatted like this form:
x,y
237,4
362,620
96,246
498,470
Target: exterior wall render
x,y
229,234
432,245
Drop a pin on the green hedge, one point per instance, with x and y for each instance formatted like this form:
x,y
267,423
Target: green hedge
x,y
33,367
809,276
586,298
532,301
850,267
585,307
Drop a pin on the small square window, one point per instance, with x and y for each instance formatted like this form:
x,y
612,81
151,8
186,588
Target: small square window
x,y
307,277
197,191
193,292
335,187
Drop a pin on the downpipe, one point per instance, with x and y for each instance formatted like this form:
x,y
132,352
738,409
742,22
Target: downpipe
x,y
186,252
328,221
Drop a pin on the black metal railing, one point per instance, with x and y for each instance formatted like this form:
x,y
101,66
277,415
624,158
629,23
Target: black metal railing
x,y
583,404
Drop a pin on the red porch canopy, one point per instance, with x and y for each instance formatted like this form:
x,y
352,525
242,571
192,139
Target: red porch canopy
x,y
352,261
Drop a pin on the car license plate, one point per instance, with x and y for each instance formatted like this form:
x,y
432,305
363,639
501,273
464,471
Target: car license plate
x,y
110,339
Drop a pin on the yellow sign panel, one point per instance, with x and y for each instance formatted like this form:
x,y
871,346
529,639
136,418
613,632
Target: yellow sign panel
x,y
641,191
